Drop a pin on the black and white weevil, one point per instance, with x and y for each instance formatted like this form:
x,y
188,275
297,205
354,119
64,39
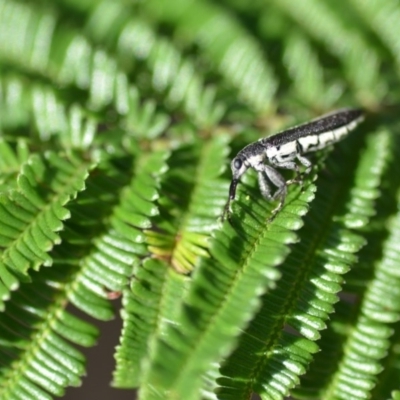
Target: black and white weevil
x,y
283,149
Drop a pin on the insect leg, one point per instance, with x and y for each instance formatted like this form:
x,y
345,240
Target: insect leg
x,y
265,189
279,181
289,164
293,166
300,175
306,162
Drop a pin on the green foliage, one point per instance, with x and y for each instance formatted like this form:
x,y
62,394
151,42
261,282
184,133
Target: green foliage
x,y
31,214
118,121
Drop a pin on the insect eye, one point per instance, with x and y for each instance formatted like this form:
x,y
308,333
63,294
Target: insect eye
x,y
237,163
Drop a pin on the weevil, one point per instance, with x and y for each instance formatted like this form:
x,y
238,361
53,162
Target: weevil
x,y
286,150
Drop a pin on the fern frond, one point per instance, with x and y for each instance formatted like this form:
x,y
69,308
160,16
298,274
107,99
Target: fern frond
x,y
11,161
25,32
82,280
40,106
152,299
306,72
141,118
241,268
37,358
386,382
225,42
134,40
348,45
74,61
32,214
381,15
172,73
368,343
364,348
14,110
186,220
270,354
347,323
149,307
117,251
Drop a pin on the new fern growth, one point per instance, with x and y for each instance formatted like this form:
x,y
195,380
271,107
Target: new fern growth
x,y
118,121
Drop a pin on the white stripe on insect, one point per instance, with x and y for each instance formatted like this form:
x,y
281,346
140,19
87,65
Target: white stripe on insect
x,y
281,153
325,139
309,143
286,149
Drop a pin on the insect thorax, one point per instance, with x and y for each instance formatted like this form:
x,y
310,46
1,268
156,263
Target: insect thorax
x,y
253,154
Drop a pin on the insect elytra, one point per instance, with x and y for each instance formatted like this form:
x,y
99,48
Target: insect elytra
x,y
286,150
